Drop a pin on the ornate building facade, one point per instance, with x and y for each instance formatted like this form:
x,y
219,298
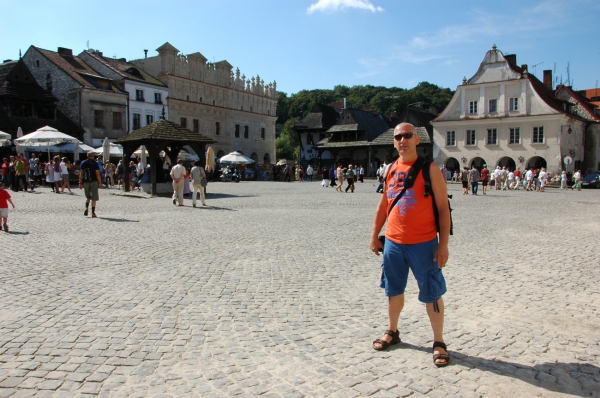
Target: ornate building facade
x,y
505,116
209,98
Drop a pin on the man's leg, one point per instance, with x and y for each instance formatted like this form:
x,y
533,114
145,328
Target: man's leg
x,y
180,193
194,194
437,324
395,306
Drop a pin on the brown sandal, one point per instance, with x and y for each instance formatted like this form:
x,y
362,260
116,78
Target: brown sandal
x,y
385,344
443,357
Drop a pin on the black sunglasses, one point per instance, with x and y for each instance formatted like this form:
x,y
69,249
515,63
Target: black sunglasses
x,y
406,136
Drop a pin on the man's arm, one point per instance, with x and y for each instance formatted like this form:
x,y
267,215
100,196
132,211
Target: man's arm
x,y
378,221
441,201
99,178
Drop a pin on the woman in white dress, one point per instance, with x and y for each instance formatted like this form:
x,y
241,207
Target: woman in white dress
x,y
57,174
49,172
543,177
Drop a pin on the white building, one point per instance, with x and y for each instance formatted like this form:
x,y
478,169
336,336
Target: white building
x,y
505,116
147,95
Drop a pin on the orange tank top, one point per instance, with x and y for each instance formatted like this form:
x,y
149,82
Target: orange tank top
x,y
412,220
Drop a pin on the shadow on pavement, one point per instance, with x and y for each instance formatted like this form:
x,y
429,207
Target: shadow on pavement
x,y
17,233
573,378
116,219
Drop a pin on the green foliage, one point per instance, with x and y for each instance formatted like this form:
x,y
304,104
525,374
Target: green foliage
x,y
382,99
288,144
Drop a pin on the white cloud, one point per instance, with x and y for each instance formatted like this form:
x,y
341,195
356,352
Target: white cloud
x,y
341,5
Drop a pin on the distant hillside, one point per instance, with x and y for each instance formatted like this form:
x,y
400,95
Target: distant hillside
x,y
380,99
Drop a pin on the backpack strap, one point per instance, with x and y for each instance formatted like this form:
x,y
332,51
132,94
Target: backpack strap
x,y
429,191
414,171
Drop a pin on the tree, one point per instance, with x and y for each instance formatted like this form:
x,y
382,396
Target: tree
x,y
288,143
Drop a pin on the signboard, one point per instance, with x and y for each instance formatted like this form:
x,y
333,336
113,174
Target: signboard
x,y
568,160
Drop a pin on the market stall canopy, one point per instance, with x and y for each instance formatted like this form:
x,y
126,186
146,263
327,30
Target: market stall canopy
x,y
235,158
5,136
114,150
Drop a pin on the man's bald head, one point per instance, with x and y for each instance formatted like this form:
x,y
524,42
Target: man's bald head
x,y
405,128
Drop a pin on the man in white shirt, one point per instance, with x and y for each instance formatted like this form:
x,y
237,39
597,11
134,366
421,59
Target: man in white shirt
x,y
529,179
309,173
178,174
577,180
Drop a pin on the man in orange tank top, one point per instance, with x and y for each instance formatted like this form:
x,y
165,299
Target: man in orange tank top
x,y
411,241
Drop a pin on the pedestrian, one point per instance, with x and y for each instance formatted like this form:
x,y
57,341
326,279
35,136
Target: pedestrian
x,y
379,175
65,165
109,171
350,178
361,173
286,174
57,173
90,180
21,173
474,179
577,180
411,241
529,179
5,172
543,177
309,173
32,168
178,174
511,179
444,171
464,178
339,174
503,177
485,177
120,172
49,173
132,174
325,182
455,176
199,182
332,175
517,179
37,174
5,199
563,180
186,183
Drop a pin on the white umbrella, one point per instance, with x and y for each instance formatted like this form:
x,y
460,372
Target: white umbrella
x,y
105,149
5,136
115,150
20,150
46,135
210,159
236,158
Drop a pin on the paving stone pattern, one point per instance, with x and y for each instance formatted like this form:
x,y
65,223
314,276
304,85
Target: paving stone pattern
x,y
271,291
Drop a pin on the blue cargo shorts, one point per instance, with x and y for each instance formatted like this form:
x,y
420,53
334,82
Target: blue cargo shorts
x,y
398,258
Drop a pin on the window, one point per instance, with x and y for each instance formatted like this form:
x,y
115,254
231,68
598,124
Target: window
x,y
213,102
242,108
149,119
187,97
492,137
37,63
136,121
245,131
473,107
196,128
117,121
251,108
183,121
538,135
157,98
262,133
513,104
200,99
139,95
98,118
217,128
237,131
514,135
450,138
493,105
470,137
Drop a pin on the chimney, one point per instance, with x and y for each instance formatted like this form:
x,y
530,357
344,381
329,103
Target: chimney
x,y
524,67
145,53
511,58
65,52
344,103
548,79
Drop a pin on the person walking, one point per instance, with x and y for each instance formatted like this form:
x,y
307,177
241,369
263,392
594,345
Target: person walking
x,y
517,179
563,180
332,175
199,182
339,174
325,182
577,180
474,179
57,173
543,177
485,177
32,168
65,165
412,241
350,179
309,173
5,172
90,180
529,179
178,174
464,179
21,173
5,199
49,172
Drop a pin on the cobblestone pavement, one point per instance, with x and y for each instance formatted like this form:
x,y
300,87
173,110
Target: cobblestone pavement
x,y
271,291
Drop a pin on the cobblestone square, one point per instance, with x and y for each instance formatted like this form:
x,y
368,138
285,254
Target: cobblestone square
x,y
272,291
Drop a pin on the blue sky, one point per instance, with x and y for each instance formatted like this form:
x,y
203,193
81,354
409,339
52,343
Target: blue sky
x,y
308,44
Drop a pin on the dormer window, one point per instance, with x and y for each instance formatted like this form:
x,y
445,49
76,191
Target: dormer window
x,y
472,107
513,104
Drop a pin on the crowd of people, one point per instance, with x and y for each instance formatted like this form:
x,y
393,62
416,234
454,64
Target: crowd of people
x,y
334,176
505,178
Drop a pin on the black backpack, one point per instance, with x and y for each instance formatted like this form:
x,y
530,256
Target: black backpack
x,y
88,174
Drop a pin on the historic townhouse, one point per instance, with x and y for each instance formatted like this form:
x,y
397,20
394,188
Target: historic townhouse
x,y
146,94
208,98
91,101
505,116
